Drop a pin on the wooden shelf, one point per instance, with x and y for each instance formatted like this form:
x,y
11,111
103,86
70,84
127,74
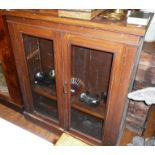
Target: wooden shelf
x,y
98,111
45,91
49,107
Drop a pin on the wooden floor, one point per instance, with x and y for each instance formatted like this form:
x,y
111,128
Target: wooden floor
x,y
18,119
148,132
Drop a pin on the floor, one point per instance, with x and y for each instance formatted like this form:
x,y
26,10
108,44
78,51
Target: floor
x,y
18,119
148,132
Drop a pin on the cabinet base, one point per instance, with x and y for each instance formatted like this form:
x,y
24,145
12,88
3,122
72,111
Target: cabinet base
x,y
58,130
51,127
11,105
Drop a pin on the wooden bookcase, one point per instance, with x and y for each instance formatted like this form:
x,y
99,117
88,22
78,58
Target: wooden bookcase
x,y
92,60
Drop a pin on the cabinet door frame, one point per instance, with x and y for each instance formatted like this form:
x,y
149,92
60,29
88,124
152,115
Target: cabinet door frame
x,y
115,80
16,31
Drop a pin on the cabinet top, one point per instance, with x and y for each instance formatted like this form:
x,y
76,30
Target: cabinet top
x,y
96,23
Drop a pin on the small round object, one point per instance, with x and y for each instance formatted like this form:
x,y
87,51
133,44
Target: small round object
x,y
76,86
39,77
51,74
50,77
89,99
83,97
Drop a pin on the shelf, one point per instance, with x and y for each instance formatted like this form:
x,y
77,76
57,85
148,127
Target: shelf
x,y
50,107
45,91
98,111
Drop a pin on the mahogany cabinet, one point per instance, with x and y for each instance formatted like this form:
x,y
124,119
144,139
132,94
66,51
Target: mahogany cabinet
x,y
75,75
9,86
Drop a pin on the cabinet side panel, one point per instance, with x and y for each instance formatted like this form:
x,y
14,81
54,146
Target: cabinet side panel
x,y
10,71
134,61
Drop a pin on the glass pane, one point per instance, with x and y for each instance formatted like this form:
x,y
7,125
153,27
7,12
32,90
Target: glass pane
x,y
40,61
90,77
3,85
87,124
45,106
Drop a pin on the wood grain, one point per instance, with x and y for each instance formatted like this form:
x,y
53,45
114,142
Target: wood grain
x,y
121,27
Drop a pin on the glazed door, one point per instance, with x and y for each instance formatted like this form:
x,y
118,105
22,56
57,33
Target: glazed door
x,y
38,60
93,72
